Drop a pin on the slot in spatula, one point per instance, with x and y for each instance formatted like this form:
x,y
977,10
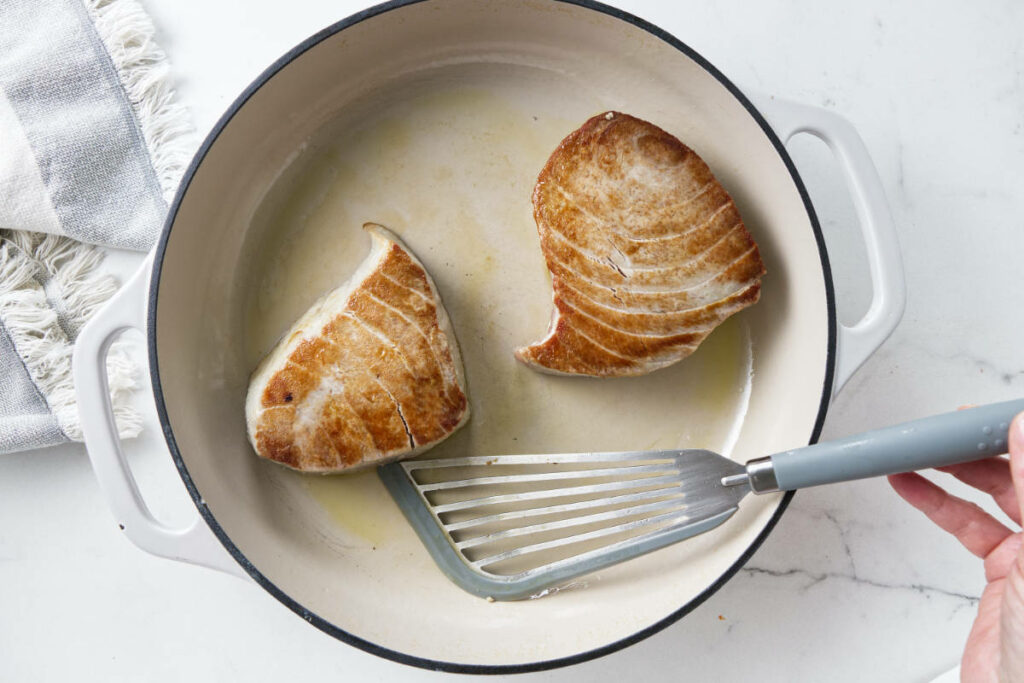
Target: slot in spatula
x,y
509,527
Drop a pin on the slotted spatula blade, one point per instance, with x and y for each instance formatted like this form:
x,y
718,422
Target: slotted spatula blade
x,y
507,527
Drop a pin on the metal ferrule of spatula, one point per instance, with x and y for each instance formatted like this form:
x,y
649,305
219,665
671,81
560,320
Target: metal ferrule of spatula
x,y
509,527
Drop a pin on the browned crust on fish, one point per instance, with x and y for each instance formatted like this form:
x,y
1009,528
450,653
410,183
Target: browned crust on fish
x,y
378,381
646,249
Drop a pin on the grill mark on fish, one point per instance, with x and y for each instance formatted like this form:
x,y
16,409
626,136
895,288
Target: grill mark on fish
x,y
380,334
611,225
344,442
452,397
681,249
692,320
425,386
646,341
613,234
730,232
607,239
344,395
590,256
407,288
639,275
369,374
565,271
382,337
620,211
711,294
620,312
681,237
326,438
367,400
419,330
602,346
725,232
691,288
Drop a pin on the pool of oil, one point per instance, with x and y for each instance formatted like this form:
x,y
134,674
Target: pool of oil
x,y
352,502
450,167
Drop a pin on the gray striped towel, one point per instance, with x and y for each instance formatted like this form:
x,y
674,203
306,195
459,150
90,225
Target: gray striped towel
x,y
92,146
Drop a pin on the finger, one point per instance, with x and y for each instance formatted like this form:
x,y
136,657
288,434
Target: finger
x,y
982,648
1015,439
1002,557
972,526
992,476
1011,624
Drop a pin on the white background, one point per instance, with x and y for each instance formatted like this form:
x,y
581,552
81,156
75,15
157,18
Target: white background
x,y
852,585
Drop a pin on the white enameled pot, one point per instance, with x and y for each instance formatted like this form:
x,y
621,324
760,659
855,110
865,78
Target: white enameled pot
x,y
433,118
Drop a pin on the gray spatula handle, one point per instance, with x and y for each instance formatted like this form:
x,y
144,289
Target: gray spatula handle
x,y
936,441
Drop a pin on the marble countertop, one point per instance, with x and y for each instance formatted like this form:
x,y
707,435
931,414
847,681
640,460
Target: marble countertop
x,y
852,585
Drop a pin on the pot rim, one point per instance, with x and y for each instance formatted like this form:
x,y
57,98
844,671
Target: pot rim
x,y
325,625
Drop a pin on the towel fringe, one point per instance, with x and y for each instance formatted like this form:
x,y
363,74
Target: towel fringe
x,y
127,33
34,326
69,275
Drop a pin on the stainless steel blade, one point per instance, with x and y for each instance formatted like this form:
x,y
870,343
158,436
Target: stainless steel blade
x,y
509,527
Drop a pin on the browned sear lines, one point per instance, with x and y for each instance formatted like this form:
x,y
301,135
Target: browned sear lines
x,y
646,249
371,374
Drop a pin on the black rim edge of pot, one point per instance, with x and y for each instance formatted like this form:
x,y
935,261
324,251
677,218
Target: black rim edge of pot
x,y
323,624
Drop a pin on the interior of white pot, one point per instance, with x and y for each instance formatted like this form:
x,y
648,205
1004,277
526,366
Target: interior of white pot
x,y
434,119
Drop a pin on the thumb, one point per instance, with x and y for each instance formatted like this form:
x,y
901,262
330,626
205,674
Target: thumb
x,y
1011,616
1015,440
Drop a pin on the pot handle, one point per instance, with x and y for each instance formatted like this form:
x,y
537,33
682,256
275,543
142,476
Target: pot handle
x,y
195,543
854,344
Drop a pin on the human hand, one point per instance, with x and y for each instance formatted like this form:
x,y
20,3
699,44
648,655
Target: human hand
x,y
995,646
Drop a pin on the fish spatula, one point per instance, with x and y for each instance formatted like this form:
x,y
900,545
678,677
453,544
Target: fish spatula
x,y
509,527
